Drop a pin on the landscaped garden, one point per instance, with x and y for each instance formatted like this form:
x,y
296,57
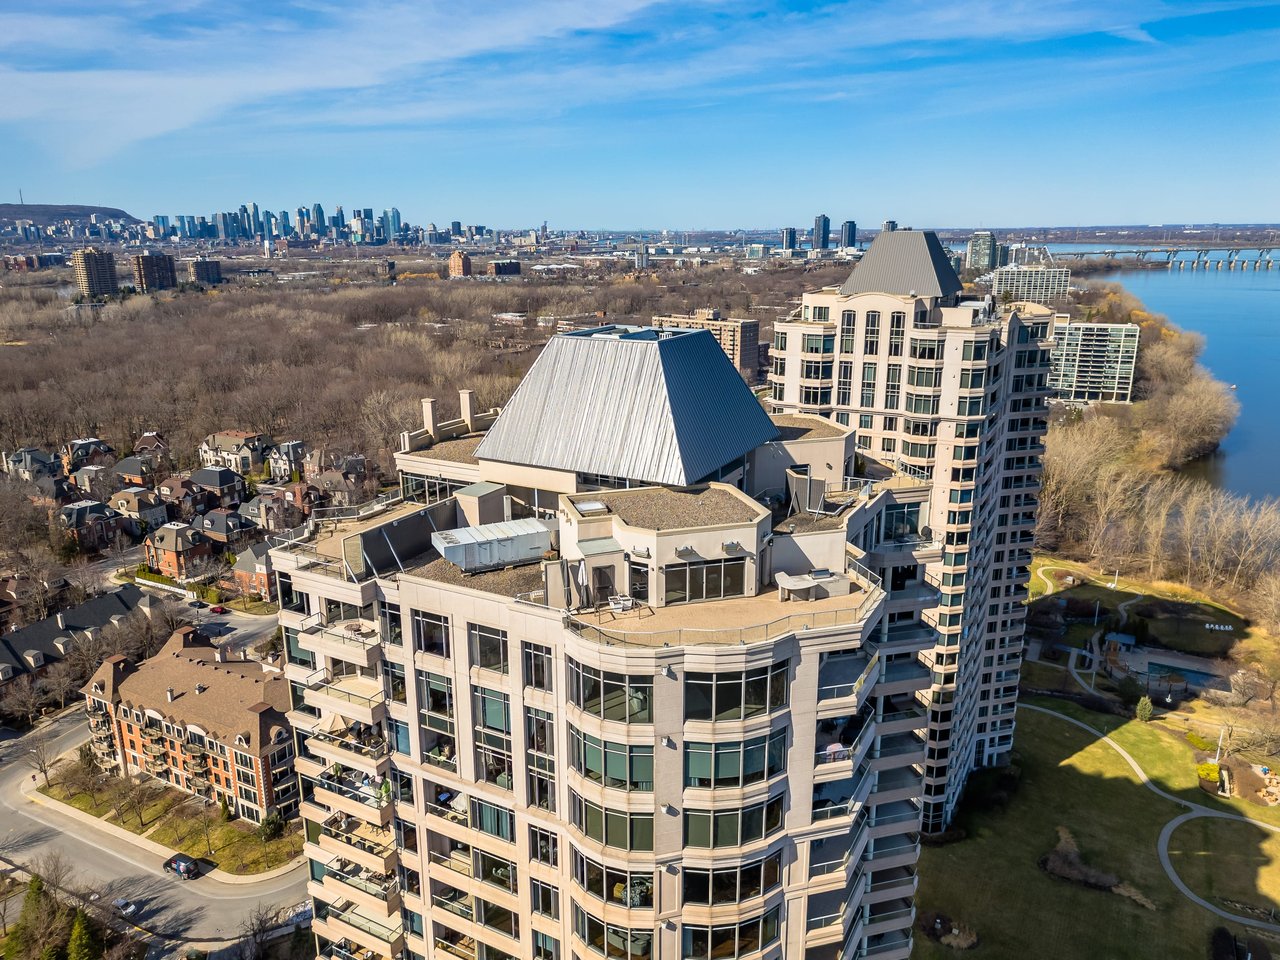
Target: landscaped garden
x,y
1080,810
174,819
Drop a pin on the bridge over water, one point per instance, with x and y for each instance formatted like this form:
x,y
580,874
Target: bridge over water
x,y
1211,257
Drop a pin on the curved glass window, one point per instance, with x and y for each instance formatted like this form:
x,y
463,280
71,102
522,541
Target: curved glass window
x,y
735,764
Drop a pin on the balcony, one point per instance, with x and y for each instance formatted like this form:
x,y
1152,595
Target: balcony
x,y
841,740
100,723
914,635
892,916
903,676
374,891
353,696
844,677
344,922
456,945
345,950
348,793
352,641
905,783
891,884
896,750
841,798
354,745
901,715
891,946
897,817
194,752
367,844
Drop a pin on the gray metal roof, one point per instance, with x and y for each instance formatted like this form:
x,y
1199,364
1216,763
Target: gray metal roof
x,y
903,261
665,408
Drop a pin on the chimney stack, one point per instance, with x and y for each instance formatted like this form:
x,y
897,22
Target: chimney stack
x,y
467,404
62,621
429,415
169,694
219,654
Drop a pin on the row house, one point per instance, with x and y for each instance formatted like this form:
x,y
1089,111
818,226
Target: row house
x,y
176,550
227,529
223,483
286,461
82,453
200,721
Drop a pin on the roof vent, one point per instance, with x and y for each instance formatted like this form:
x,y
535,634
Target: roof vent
x,y
200,688
591,508
169,694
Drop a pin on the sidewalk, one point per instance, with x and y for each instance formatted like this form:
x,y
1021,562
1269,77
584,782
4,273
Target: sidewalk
x,y
31,793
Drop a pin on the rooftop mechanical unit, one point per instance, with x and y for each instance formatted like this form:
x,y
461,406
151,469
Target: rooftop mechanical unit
x,y
492,546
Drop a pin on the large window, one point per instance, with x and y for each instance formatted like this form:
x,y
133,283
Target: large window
x,y
848,329
892,386
732,828
868,384
704,580
733,940
736,695
493,737
611,696
544,846
488,647
537,665
732,884
494,820
871,333
389,623
544,899
626,767
430,633
897,330
735,764
626,888
613,828
610,940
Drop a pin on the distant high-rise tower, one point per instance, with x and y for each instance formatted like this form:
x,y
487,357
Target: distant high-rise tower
x,y
340,216
95,272
849,234
821,232
395,223
459,264
788,238
455,228
889,226
154,271
317,215
286,228
983,252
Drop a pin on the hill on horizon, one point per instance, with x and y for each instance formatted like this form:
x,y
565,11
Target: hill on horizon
x,y
47,213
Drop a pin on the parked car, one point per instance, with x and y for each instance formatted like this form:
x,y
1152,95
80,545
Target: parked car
x,y
218,609
183,866
126,908
197,604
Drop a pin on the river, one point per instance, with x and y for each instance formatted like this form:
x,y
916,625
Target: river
x,y
1238,312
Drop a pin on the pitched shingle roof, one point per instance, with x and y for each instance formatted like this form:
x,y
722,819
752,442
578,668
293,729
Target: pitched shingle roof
x,y
903,261
662,407
94,613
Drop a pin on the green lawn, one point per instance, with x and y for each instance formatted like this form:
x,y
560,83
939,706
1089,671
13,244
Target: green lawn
x,y
1045,676
1228,860
81,801
1180,625
991,882
236,846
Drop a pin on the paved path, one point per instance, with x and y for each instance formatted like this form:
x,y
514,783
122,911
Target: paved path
x,y
205,911
1194,811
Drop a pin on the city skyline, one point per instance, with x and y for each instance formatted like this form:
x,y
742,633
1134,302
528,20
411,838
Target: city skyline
x,y
542,110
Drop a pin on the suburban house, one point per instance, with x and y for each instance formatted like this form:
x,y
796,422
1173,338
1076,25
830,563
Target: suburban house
x,y
32,649
31,464
175,549
141,510
199,720
237,450
92,525
183,497
286,460
95,481
252,571
81,453
226,528
340,489
136,471
320,460
220,482
154,448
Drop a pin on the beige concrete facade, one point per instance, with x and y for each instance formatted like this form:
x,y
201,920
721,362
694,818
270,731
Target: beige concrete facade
x,y
687,729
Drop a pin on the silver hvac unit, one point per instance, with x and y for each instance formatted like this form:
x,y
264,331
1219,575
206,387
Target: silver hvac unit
x,y
492,546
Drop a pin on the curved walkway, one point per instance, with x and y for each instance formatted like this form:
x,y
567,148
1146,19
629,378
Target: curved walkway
x,y
1194,811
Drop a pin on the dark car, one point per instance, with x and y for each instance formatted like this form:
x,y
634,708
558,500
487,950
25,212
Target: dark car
x,y
183,866
197,604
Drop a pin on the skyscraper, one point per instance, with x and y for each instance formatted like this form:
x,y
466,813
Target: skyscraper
x,y
889,226
849,234
949,396
581,699
982,252
95,272
788,238
154,271
317,216
821,232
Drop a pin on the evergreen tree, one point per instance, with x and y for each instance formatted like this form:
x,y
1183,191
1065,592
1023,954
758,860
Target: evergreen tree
x,y
1143,710
81,945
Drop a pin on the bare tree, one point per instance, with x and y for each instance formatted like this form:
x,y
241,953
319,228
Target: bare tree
x,y
254,930
60,682
40,755
22,699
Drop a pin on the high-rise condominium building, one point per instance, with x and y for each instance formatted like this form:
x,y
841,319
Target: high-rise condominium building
x,y
154,271
948,398
95,272
788,238
204,270
889,226
459,264
1094,362
983,251
1037,284
605,680
738,337
849,234
821,232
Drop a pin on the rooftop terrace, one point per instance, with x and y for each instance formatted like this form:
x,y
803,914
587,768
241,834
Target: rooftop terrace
x,y
793,427
661,508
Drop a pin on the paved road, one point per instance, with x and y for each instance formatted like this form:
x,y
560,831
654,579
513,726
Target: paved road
x,y
1194,811
204,909
237,630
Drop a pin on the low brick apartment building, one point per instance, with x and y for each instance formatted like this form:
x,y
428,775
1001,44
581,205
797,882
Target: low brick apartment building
x,y
199,721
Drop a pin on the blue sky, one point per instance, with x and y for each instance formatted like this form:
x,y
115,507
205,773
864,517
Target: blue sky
x,y
627,113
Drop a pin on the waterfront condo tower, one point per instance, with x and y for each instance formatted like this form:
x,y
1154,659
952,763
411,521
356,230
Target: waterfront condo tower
x,y
949,396
608,677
